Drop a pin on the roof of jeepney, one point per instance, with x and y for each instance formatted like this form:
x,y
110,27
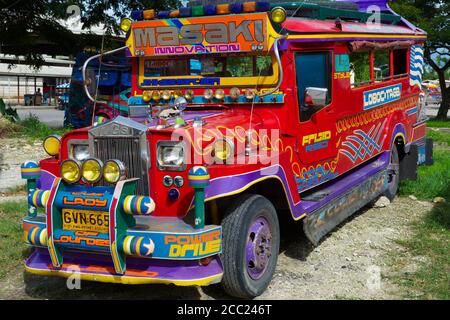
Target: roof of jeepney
x,y
302,25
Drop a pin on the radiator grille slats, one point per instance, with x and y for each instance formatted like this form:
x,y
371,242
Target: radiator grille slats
x,y
126,149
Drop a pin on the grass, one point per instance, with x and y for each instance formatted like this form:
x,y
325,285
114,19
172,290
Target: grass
x,y
433,181
12,245
30,128
438,124
439,136
431,236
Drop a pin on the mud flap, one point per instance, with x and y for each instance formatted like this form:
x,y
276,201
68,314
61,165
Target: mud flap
x,y
323,220
408,164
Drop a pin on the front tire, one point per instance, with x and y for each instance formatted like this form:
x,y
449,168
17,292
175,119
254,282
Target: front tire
x,y
251,241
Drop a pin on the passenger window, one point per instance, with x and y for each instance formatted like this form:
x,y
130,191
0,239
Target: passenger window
x,y
313,74
359,69
381,65
400,67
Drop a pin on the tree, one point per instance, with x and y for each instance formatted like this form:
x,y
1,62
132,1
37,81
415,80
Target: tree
x,y
31,28
433,17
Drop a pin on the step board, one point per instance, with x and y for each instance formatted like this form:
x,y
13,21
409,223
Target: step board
x,y
330,205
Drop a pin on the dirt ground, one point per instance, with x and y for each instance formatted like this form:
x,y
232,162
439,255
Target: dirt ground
x,y
351,263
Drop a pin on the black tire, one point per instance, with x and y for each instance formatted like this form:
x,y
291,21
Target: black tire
x,y
393,174
245,212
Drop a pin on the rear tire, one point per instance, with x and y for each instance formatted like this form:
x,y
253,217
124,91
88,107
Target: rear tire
x,y
393,174
251,241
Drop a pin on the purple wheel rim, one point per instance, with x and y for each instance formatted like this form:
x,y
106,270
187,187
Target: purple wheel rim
x,y
258,248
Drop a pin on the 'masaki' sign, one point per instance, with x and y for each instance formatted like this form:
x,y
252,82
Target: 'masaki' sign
x,y
377,97
199,35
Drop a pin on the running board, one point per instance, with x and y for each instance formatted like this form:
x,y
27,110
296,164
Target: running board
x,y
344,197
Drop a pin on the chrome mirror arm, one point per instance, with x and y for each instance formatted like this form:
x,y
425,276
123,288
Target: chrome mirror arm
x,y
280,68
83,70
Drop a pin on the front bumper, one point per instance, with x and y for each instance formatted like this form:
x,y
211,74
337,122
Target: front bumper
x,y
135,248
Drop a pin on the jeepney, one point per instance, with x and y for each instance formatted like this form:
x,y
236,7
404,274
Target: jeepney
x,y
239,115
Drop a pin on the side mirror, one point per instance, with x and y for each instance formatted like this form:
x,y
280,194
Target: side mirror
x,y
315,97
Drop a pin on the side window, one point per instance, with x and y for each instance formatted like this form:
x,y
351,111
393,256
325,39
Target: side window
x,y
359,69
381,63
400,67
313,70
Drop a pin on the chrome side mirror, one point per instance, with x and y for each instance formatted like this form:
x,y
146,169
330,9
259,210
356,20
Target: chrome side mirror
x,y
315,97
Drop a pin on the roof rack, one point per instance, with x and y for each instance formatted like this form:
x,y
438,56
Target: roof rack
x,y
322,12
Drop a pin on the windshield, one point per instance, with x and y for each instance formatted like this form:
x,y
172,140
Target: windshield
x,y
251,69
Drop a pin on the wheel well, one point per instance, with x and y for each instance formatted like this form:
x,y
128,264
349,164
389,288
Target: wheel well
x,y
271,188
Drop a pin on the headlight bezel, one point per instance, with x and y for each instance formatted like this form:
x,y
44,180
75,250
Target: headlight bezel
x,y
100,169
170,144
231,146
77,163
58,139
122,170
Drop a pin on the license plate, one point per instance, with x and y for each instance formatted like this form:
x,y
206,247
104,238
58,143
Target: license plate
x,y
85,220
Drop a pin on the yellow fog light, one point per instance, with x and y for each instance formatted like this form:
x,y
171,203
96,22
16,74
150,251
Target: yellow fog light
x,y
207,94
177,94
156,96
235,93
147,96
189,94
223,149
219,94
166,95
125,24
114,171
278,14
70,171
91,170
51,144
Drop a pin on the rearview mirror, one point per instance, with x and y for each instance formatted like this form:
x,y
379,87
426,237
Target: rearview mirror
x,y
315,97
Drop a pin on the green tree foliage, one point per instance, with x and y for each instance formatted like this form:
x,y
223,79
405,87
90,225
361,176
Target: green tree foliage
x,y
31,28
433,17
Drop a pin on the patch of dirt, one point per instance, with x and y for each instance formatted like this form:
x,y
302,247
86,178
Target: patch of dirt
x,y
14,152
351,263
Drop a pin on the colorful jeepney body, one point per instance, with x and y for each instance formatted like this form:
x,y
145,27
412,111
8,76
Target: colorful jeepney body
x,y
299,110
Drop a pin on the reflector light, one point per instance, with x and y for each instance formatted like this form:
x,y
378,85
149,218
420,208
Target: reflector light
x,y
210,9
223,8
249,6
163,14
198,11
137,15
262,6
149,14
185,12
174,13
236,8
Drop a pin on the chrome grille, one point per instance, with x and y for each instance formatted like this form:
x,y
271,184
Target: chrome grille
x,y
127,150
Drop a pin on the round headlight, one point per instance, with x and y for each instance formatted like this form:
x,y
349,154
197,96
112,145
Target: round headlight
x,y
250,94
189,94
223,149
156,95
234,93
71,171
166,95
147,96
51,144
91,170
208,93
177,94
125,24
219,94
278,14
114,171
